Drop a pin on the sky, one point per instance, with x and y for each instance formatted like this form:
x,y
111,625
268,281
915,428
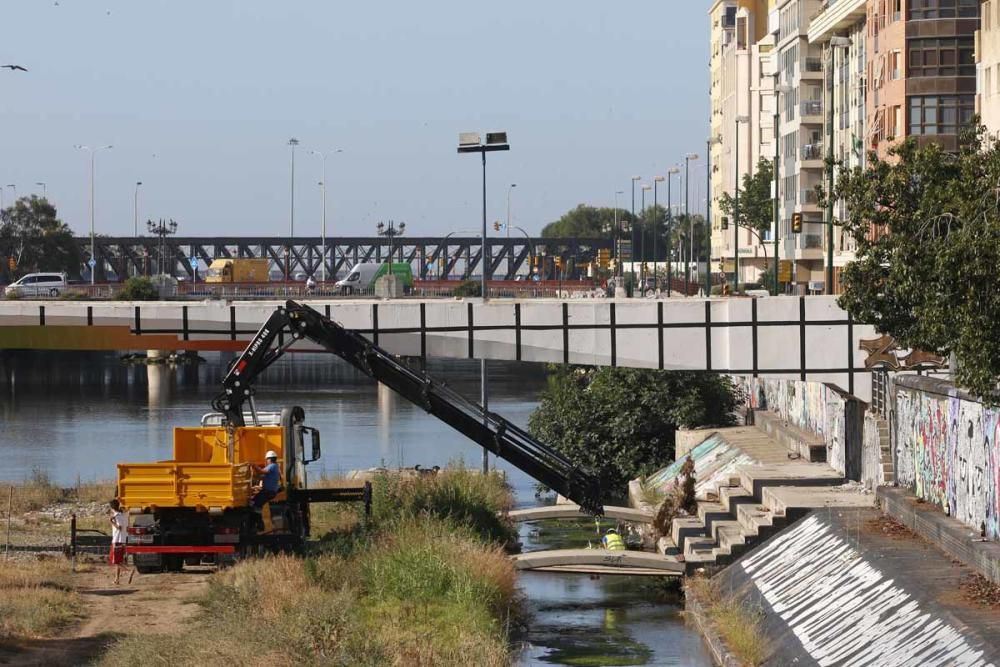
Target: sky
x,y
200,97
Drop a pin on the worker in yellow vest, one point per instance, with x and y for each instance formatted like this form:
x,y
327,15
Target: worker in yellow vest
x,y
612,541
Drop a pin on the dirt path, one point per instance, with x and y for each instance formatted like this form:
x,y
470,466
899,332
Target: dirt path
x,y
151,604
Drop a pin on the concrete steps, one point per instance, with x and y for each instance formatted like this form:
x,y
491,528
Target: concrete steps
x,y
808,446
758,501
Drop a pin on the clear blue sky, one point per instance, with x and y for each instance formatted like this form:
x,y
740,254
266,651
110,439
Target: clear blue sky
x,y
199,99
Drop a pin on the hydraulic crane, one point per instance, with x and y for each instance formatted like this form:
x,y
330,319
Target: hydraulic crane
x,y
294,321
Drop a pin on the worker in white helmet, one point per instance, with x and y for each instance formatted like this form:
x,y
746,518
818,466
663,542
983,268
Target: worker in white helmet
x,y
270,480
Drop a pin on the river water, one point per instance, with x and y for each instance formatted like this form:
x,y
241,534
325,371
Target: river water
x,y
74,416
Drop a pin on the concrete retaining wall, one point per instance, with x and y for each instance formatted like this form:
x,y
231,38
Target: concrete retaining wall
x,y
946,449
821,408
872,465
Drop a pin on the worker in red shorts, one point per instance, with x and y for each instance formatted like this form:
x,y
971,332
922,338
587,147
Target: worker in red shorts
x,y
119,528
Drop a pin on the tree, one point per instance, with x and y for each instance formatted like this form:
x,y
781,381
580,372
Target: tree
x,y
926,224
620,422
756,206
586,222
33,235
680,231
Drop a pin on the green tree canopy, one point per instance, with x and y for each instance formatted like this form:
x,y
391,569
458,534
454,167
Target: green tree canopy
x,y
586,222
620,422
926,224
33,235
756,205
681,229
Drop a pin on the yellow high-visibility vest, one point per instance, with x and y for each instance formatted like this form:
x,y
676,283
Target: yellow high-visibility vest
x,y
614,542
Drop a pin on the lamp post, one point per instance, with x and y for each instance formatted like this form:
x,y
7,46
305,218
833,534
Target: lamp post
x,y
470,142
687,214
93,156
646,187
162,229
635,179
617,238
656,228
736,207
670,227
510,250
779,89
836,42
390,232
708,213
135,210
293,142
322,185
42,183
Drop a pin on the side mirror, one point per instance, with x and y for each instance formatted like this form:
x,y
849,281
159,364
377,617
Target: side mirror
x,y
315,445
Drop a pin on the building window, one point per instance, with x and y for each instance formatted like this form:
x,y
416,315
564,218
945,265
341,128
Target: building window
x,y
944,114
954,56
943,9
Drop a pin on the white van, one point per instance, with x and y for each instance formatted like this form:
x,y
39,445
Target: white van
x,y
36,285
359,278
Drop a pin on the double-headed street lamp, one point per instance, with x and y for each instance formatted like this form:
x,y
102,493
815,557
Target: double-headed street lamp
x,y
670,227
656,228
162,229
687,214
42,184
293,142
617,238
635,246
646,187
322,185
135,210
93,253
391,231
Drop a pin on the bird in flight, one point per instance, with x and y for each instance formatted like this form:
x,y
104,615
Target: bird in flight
x,y
13,68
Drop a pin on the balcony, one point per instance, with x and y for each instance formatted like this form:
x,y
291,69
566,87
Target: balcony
x,y
811,241
812,152
835,17
814,65
812,109
808,197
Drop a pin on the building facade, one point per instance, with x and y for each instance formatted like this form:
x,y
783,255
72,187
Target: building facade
x,y
987,42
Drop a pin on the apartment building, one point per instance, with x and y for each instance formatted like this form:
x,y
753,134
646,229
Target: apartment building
x,y
987,42
840,30
746,92
722,28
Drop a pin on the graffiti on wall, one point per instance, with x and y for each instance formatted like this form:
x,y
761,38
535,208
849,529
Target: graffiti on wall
x,y
947,450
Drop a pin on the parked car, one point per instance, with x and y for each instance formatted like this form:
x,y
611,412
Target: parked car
x,y
36,285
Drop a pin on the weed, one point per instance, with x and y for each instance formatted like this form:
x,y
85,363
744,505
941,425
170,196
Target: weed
x,y
36,599
739,623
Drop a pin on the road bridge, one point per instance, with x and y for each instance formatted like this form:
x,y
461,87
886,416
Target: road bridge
x,y
430,257
807,338
572,511
599,561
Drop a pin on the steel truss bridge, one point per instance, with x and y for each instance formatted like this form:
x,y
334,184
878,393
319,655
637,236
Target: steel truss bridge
x,y
430,257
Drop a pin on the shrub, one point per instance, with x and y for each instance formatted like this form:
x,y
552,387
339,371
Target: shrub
x,y
468,288
138,288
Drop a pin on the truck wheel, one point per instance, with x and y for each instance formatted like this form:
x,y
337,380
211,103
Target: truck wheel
x,y
147,569
173,564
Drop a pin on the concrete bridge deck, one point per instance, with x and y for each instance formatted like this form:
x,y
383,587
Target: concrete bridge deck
x,y
600,561
807,338
571,511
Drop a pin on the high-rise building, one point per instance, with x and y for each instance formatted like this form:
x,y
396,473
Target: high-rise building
x,y
988,66
722,28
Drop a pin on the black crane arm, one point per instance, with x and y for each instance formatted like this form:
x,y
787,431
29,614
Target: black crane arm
x,y
295,321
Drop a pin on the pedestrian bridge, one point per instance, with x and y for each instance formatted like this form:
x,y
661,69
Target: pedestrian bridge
x,y
599,561
571,511
807,338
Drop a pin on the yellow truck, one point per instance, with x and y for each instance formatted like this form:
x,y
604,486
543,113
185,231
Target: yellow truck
x,y
243,270
195,508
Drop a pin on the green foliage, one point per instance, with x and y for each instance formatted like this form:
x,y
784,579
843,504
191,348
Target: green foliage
x,y
681,230
927,228
586,222
138,288
756,205
620,422
32,234
468,288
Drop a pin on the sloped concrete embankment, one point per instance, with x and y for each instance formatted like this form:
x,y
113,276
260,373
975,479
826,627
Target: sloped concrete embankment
x,y
836,589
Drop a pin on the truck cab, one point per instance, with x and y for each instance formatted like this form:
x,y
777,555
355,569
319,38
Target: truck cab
x,y
241,270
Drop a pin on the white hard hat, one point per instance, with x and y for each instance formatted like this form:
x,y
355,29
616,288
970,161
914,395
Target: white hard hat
x,y
271,454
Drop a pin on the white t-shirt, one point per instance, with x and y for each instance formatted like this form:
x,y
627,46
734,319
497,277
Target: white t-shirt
x,y
119,526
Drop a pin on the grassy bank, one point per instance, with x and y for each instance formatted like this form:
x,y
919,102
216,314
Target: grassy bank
x,y
39,492
36,599
425,583
739,625
41,509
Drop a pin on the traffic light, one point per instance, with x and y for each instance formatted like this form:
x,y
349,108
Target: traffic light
x,y
496,226
12,263
796,223
725,222
603,258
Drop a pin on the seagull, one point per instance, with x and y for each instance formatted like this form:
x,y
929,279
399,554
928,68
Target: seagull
x,y
13,68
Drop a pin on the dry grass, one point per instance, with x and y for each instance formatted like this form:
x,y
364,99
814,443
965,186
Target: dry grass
x,y
36,599
39,492
740,625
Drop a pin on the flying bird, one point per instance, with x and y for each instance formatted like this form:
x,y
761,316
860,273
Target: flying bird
x,y
13,68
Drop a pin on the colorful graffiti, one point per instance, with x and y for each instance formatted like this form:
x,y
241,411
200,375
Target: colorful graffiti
x,y
947,450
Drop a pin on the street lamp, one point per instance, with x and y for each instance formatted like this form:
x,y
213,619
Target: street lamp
x,y
617,238
736,207
779,89
509,190
42,183
670,227
322,185
836,42
293,142
135,210
646,187
656,228
390,232
93,254
687,214
470,142
635,179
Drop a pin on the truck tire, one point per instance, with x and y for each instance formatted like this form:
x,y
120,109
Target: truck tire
x,y
148,569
